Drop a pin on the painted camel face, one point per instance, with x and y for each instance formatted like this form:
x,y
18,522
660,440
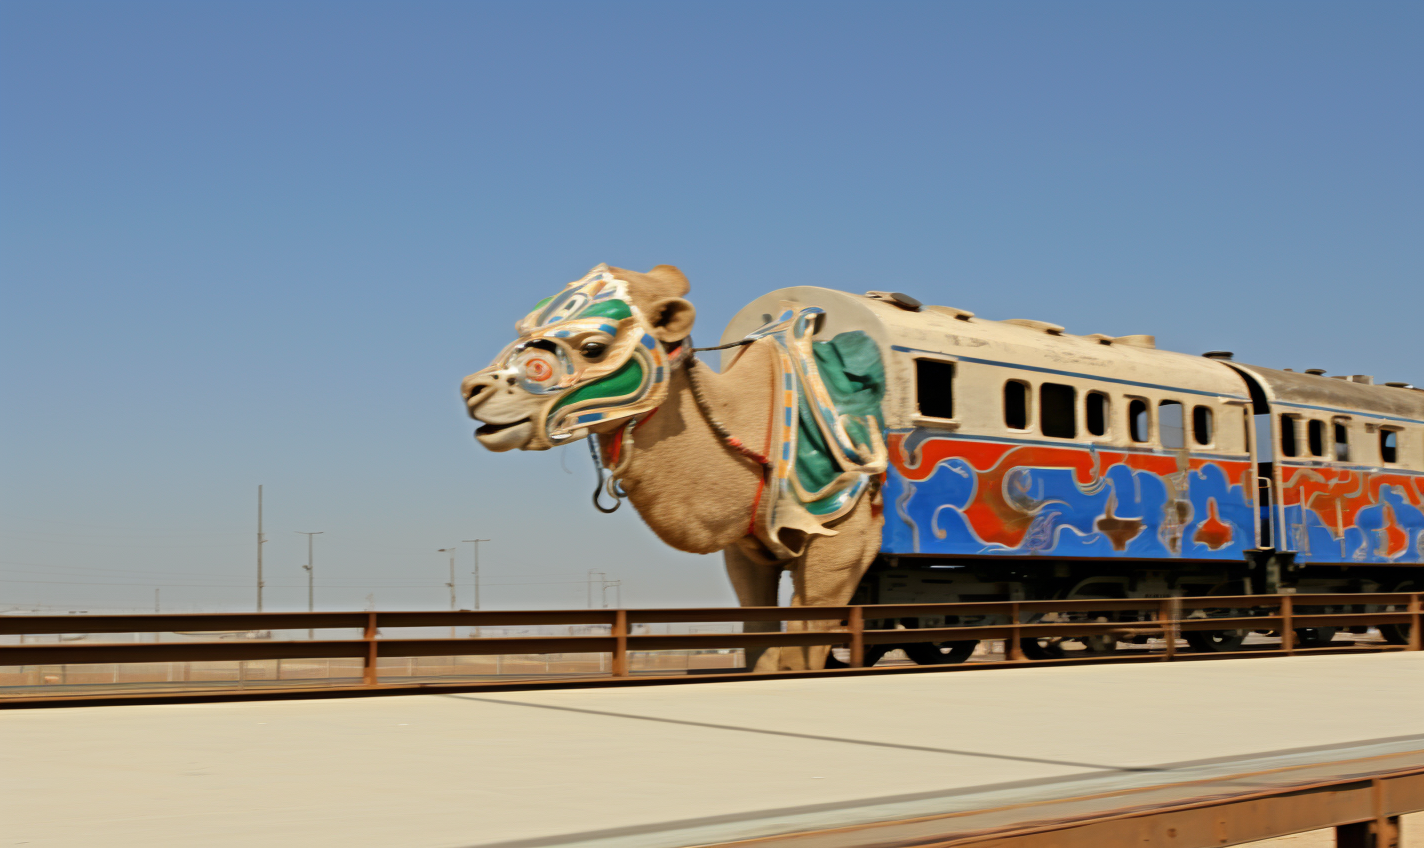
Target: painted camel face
x,y
588,355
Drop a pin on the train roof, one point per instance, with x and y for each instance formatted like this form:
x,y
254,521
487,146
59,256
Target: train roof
x,y
1336,394
1017,343
908,327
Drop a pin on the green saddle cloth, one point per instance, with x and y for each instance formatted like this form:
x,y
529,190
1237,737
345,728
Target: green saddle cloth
x,y
850,368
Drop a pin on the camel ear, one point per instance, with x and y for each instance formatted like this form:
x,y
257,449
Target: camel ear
x,y
672,319
672,277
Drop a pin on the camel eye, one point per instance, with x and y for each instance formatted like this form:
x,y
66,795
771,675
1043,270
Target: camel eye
x,y
593,350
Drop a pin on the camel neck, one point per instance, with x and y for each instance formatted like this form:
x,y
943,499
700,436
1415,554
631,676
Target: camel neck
x,y
692,489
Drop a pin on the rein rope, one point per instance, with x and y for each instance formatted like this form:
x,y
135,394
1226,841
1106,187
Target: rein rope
x,y
622,452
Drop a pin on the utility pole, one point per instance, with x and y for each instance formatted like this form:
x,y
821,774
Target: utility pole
x,y
617,586
157,636
602,578
311,576
451,584
260,541
476,543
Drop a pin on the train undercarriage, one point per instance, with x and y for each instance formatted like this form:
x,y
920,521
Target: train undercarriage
x,y
920,580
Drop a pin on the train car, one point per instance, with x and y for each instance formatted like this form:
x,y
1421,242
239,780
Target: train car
x,y
1027,462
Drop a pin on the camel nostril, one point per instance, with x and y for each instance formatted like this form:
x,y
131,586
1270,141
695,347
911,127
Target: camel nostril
x,y
510,380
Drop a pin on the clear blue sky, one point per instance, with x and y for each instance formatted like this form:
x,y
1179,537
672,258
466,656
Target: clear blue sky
x,y
248,242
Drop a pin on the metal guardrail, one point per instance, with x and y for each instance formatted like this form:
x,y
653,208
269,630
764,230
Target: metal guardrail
x,y
1167,618
1362,801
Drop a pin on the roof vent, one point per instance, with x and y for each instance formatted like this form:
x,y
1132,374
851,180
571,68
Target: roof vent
x,y
1319,372
1362,378
1051,329
1137,341
1224,355
900,299
961,314
1397,385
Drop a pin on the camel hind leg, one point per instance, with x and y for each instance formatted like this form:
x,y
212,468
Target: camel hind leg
x,y
756,585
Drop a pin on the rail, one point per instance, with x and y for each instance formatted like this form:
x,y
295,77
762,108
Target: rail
x,y
853,627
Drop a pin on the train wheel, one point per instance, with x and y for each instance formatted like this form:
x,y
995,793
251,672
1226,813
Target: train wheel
x,y
1397,634
873,653
940,653
1043,649
1314,637
1218,641
1052,647
1215,641
1099,644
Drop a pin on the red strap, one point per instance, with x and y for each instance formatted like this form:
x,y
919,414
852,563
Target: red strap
x,y
756,502
617,447
766,469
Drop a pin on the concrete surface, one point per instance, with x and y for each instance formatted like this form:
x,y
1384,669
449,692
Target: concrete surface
x,y
677,765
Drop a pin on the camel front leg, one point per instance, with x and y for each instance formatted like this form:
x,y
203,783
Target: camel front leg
x,y
828,574
755,584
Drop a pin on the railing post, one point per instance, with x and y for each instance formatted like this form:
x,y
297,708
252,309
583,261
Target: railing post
x,y
857,637
1416,622
620,643
1382,832
1167,613
1015,650
1287,620
369,673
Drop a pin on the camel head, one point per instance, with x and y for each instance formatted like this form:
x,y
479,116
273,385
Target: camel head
x,y
597,352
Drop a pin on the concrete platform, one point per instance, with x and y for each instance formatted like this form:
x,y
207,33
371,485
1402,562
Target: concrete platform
x,y
678,765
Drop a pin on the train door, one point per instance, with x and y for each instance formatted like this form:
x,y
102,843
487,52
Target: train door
x,y
1264,438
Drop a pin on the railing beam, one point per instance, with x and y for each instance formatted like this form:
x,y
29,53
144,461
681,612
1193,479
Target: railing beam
x,y
858,627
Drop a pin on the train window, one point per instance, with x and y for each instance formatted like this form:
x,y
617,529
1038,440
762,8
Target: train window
x,y
1096,408
1288,447
1170,424
1389,445
1342,441
1139,420
1057,407
1201,424
934,388
1016,405
1315,437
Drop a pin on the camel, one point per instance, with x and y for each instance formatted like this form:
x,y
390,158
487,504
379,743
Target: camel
x,y
702,456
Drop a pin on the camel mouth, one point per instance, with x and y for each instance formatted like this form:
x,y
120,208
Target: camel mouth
x,y
491,429
508,436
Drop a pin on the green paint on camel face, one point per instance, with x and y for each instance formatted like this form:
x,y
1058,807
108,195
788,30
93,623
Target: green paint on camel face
x,y
624,381
615,310
584,356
